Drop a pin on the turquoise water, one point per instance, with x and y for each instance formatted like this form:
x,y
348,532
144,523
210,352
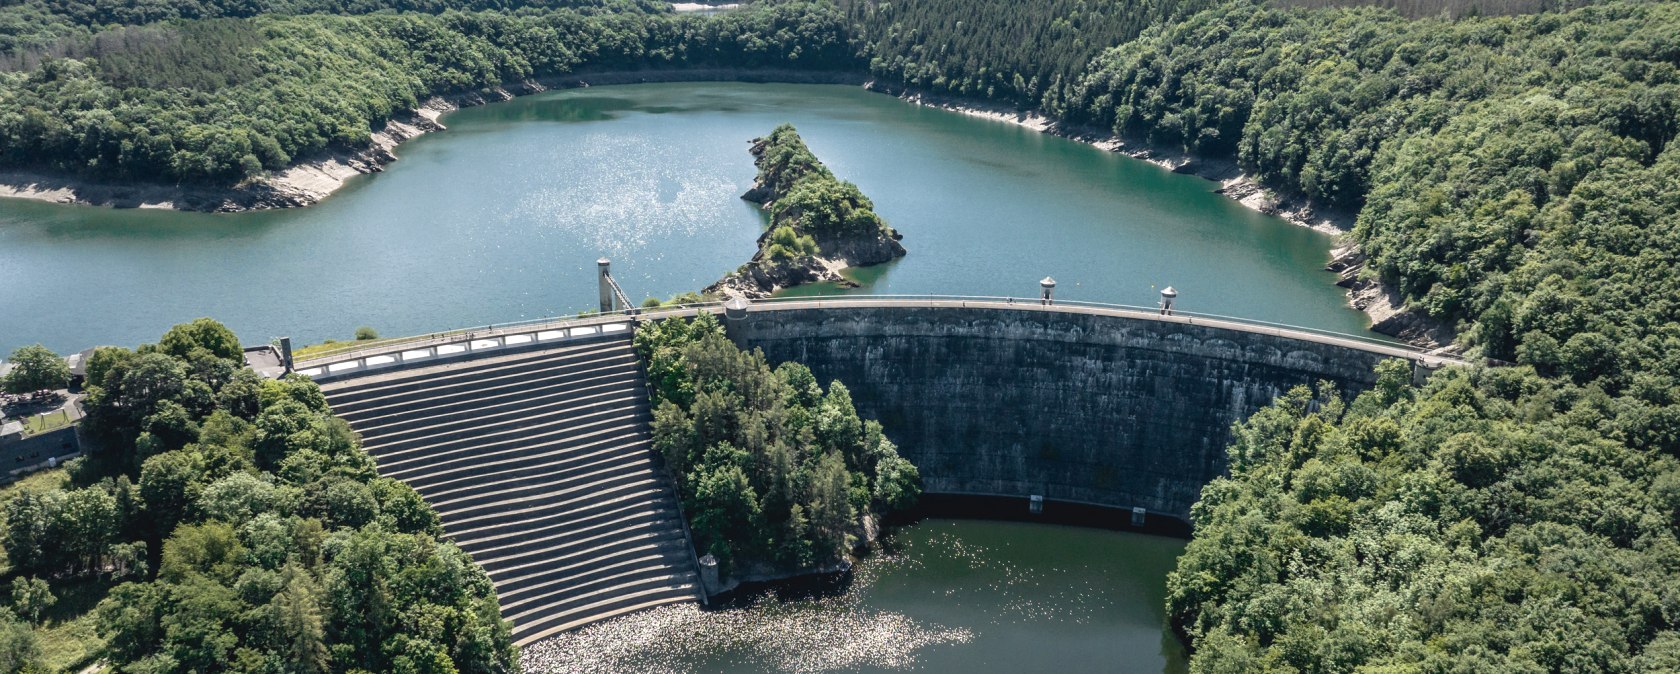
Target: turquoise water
x,y
502,217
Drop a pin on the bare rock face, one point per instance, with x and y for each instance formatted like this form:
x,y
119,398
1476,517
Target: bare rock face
x,y
1388,312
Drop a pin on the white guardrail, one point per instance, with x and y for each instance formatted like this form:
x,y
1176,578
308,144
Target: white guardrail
x,y
403,351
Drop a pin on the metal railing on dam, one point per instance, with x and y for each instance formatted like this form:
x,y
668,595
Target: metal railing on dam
x,y
355,358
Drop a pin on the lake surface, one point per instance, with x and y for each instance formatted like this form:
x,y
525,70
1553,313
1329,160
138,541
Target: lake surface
x,y
501,218
959,596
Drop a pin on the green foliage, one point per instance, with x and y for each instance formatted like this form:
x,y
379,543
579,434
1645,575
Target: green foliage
x,y
278,546
30,598
679,299
1026,53
765,460
36,368
786,244
202,333
100,362
365,333
1513,175
20,649
227,100
805,198
1486,522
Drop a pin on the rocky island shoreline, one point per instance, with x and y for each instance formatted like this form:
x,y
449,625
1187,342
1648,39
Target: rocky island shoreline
x,y
819,224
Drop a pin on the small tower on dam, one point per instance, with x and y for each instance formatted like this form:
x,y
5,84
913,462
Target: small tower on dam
x,y
602,277
1047,291
1168,295
736,308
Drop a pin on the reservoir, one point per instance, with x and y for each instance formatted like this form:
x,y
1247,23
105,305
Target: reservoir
x,y
501,218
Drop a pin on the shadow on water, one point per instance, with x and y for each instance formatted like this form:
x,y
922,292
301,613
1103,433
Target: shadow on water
x,y
815,586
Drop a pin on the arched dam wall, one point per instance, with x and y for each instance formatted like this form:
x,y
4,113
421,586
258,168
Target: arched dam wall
x,y
1080,406
531,440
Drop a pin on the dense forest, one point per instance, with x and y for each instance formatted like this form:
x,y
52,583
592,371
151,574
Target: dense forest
x,y
220,101
49,27
1512,175
1488,522
1021,52
241,528
775,474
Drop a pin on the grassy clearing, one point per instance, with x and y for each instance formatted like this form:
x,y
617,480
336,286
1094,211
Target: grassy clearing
x,y
69,633
46,480
41,423
334,346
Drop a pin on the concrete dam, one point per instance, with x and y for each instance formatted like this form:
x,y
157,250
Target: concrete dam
x,y
531,440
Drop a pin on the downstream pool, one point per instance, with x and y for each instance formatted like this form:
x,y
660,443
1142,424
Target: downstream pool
x,y
502,217
957,596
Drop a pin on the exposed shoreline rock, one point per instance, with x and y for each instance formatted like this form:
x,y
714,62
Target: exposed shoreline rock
x,y
311,179
764,275
1385,307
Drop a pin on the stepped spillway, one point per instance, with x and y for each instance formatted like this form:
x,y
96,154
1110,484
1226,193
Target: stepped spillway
x,y
540,466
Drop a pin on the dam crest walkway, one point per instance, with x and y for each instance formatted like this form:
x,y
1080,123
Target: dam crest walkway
x,y
357,358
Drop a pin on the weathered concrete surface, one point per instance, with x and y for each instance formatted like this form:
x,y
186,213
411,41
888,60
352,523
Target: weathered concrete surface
x,y
1107,410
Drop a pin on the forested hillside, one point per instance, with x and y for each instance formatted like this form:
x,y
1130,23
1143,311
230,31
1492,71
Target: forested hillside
x,y
1021,52
1489,522
1515,174
43,26
1447,8
244,530
221,101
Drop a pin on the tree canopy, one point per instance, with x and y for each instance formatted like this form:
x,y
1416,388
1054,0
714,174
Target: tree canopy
x,y
775,474
248,530
805,198
220,101
1483,523
1513,175
36,368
